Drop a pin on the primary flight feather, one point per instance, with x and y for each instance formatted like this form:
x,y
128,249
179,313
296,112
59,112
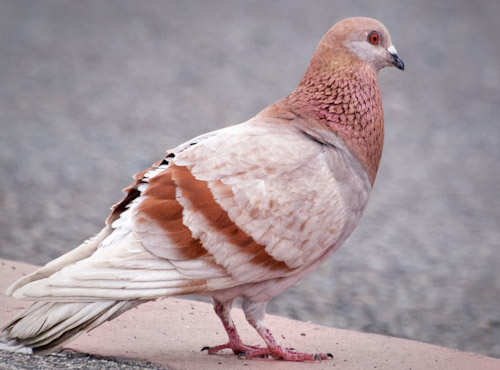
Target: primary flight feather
x,y
245,211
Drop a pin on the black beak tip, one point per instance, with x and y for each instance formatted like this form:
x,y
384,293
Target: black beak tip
x,y
397,62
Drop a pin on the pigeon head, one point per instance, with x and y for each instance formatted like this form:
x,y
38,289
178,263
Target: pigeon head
x,y
370,41
360,38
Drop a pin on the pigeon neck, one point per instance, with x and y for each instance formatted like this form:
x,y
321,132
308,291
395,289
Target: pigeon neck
x,y
343,97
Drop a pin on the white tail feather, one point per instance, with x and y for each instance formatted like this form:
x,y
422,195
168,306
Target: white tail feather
x,y
45,327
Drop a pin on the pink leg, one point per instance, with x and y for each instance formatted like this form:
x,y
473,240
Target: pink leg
x,y
254,313
223,310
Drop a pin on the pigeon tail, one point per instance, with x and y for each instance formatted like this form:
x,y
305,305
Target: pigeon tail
x,y
45,327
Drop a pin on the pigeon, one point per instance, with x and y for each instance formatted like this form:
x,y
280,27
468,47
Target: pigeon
x,y
242,212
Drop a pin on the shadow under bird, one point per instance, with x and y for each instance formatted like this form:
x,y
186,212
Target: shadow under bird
x,y
246,211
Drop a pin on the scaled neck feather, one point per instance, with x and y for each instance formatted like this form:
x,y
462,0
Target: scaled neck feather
x,y
342,95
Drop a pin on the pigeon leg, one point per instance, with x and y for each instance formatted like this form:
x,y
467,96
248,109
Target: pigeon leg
x,y
254,313
223,310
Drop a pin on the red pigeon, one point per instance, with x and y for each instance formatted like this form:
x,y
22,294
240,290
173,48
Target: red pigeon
x,y
246,211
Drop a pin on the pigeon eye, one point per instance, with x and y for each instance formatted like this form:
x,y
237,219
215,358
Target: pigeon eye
x,y
374,38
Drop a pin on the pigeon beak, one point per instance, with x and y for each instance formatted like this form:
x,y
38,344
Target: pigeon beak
x,y
395,59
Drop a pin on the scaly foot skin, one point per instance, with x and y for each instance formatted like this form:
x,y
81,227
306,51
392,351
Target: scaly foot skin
x,y
237,348
273,349
285,354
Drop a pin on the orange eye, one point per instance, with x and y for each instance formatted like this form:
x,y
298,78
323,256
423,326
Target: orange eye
x,y
374,38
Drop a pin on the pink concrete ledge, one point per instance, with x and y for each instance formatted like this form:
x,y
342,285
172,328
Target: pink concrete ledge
x,y
171,332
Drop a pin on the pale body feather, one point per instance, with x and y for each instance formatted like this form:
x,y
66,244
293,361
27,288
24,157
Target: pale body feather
x,y
287,192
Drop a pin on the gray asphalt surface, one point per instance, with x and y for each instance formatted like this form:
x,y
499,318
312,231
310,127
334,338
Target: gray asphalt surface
x,y
92,92
70,360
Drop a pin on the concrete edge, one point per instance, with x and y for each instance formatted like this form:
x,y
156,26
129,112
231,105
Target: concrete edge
x,y
170,333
